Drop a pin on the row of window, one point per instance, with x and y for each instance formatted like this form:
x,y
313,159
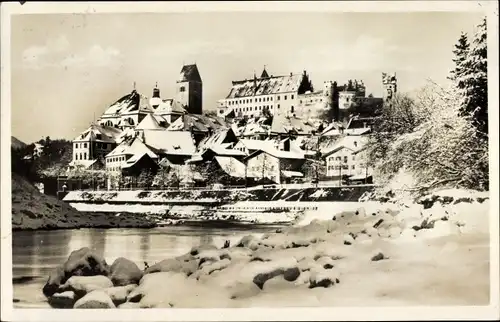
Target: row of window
x,y
337,167
310,101
257,108
115,159
259,168
258,100
338,158
80,156
99,145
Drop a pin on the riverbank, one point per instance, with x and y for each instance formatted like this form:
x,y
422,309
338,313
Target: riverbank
x,y
435,252
32,210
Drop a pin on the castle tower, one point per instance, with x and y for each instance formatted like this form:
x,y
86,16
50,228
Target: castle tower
x,y
189,89
389,82
331,94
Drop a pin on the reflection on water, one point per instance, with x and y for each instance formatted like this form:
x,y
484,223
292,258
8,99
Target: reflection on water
x,y
36,253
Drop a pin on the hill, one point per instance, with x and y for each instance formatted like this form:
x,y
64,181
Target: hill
x,y
16,143
34,210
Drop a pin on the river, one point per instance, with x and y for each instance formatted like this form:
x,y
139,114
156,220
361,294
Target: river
x,y
37,253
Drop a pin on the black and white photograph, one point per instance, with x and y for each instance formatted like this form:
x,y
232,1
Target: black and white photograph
x,y
245,156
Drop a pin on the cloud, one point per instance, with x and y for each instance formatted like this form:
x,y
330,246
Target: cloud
x,y
96,56
56,52
365,53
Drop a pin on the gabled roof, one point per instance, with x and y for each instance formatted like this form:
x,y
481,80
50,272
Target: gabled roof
x,y
265,86
189,73
283,124
99,133
353,143
135,147
126,102
170,106
169,142
231,166
197,123
149,122
264,74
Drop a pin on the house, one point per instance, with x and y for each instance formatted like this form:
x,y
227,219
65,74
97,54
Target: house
x,y
118,158
200,126
95,142
177,146
345,159
138,164
275,162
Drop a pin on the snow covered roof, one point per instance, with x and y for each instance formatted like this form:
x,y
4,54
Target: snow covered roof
x,y
134,159
149,122
286,124
291,174
135,148
85,164
231,166
99,133
189,73
170,106
353,143
197,123
265,86
124,103
169,142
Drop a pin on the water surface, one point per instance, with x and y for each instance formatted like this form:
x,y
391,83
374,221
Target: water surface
x,y
37,253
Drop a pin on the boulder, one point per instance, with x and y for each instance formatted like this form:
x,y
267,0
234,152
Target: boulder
x,y
81,285
56,278
129,305
82,262
323,278
118,294
240,290
95,300
325,262
377,257
169,289
64,300
195,250
348,239
249,241
211,267
124,272
173,265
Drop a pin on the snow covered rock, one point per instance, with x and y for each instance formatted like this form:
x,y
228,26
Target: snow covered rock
x,y
82,285
118,294
95,300
64,300
124,272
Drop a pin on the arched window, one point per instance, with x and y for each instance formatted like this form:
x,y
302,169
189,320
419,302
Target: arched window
x,y
130,121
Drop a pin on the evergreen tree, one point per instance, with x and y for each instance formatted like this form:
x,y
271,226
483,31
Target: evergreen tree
x,y
473,83
461,52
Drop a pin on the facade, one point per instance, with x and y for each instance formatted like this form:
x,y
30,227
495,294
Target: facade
x,y
266,94
190,89
347,158
94,143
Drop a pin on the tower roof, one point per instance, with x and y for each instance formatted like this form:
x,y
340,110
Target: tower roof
x,y
264,73
189,73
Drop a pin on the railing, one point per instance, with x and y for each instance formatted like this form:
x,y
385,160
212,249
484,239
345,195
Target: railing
x,y
321,184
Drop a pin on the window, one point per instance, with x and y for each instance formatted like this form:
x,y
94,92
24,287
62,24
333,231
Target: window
x,y
353,157
85,145
300,102
271,99
278,106
278,97
285,98
291,96
85,156
291,108
345,159
353,167
338,158
182,89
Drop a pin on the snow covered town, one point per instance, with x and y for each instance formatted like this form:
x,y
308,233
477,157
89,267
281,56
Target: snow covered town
x,y
267,130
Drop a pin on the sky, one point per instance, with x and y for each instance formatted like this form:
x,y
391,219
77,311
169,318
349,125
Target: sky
x,y
67,68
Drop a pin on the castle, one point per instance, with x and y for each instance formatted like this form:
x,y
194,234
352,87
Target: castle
x,y
294,95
